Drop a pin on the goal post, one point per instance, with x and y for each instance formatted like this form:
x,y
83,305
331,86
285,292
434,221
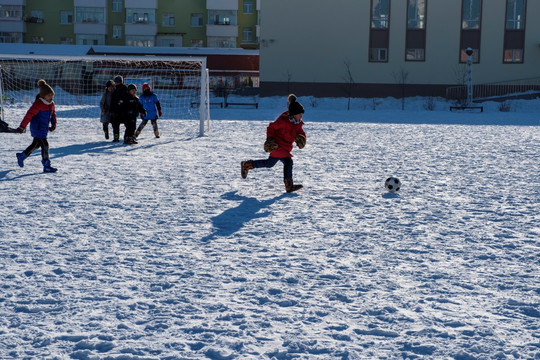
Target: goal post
x,y
180,82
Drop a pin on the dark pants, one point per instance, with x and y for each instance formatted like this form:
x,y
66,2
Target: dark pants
x,y
36,144
271,161
144,122
130,124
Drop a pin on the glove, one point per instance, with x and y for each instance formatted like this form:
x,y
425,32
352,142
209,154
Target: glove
x,y
300,141
19,130
159,113
270,145
53,127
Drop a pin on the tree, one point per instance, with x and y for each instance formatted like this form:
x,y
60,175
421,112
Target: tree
x,y
401,79
349,82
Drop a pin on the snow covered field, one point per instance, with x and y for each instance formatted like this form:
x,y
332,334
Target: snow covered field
x,y
162,251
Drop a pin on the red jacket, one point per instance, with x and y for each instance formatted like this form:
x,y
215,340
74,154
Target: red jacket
x,y
284,131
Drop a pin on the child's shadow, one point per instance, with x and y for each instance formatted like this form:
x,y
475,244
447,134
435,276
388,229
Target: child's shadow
x,y
233,219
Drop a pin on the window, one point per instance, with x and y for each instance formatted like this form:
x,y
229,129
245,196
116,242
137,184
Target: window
x,y
66,40
380,14
221,42
376,54
247,34
471,13
117,32
38,14
66,17
197,20
416,14
197,43
415,42
10,12
515,15
90,39
37,39
514,33
167,19
471,22
10,37
92,15
222,17
140,40
117,6
379,35
140,16
248,6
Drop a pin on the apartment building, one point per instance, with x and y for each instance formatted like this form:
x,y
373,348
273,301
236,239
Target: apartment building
x,y
317,47
169,23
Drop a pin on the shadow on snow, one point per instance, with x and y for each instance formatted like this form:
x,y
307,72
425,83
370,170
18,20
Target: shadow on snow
x,y
232,220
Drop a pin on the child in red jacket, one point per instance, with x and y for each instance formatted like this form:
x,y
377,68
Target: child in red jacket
x,y
40,115
280,136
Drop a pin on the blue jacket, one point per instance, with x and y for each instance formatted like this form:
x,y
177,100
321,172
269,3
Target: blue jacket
x,y
40,115
151,104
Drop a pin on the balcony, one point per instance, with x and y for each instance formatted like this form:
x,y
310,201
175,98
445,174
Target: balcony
x,y
14,2
33,20
90,28
141,4
90,3
141,29
17,26
222,4
222,30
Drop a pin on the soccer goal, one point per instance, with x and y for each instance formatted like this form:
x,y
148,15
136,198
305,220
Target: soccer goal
x,y
181,83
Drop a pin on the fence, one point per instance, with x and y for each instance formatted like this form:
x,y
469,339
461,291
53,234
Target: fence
x,y
513,88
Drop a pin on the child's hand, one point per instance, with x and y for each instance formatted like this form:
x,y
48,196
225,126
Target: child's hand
x,y
159,113
270,145
19,130
53,127
300,141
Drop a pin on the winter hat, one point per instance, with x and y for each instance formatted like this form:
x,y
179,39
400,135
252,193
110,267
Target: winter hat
x,y
295,107
44,88
145,87
131,87
119,79
109,83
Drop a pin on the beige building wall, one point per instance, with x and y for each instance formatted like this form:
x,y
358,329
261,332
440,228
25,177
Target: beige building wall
x,y
305,44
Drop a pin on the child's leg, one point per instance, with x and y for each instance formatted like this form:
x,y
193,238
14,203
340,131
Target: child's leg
x,y
287,167
44,149
267,163
33,147
154,125
142,125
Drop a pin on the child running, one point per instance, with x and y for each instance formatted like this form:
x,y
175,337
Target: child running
x,y
40,115
151,104
280,136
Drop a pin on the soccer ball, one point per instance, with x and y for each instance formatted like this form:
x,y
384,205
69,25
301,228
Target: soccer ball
x,y
392,184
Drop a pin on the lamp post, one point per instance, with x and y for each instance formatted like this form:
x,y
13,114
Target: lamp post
x,y
469,53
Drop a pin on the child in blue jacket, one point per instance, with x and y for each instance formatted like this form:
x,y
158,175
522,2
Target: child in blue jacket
x,y
42,119
151,104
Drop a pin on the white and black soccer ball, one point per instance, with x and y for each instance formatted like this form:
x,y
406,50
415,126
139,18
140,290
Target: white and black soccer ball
x,y
392,184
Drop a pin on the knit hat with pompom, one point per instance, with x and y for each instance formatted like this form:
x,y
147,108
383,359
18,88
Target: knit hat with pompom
x,y
44,88
295,107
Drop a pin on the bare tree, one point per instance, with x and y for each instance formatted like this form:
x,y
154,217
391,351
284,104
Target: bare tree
x,y
288,74
400,78
349,82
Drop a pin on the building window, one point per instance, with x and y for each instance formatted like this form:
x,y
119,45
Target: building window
x,y
515,15
167,19
197,43
92,15
117,32
117,6
10,37
248,6
471,14
10,12
379,30
90,39
66,17
37,39
66,40
247,34
140,16
140,40
471,23
222,17
38,14
221,42
415,42
514,34
197,20
380,14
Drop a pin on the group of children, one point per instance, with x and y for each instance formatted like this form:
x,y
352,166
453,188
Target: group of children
x,y
120,105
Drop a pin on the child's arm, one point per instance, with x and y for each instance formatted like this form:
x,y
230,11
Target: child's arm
x,y
158,106
53,118
29,115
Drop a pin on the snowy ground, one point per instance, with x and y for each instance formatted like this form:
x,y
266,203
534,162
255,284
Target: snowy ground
x,y
162,251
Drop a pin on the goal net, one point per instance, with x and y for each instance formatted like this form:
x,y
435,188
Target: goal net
x,y
181,84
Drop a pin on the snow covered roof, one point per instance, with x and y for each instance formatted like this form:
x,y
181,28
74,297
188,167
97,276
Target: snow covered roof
x,y
80,50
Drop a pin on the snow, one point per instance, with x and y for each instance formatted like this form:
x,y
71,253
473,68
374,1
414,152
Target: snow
x,y
162,251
